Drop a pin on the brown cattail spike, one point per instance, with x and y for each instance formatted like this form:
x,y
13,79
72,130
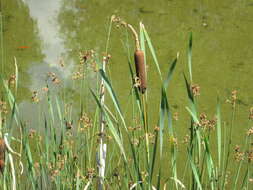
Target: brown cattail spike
x,y
2,154
140,69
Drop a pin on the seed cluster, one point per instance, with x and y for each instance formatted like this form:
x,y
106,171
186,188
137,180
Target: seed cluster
x,y
195,89
85,122
233,98
3,107
54,78
250,131
207,124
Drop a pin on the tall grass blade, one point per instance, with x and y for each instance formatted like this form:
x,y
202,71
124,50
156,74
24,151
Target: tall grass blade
x,y
163,111
153,157
110,125
195,172
113,95
210,165
190,57
188,88
170,73
152,50
218,115
142,40
16,74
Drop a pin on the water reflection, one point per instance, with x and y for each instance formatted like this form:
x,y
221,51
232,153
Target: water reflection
x,y
45,14
20,39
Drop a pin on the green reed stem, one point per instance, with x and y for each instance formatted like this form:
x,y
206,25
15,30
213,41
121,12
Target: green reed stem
x,y
229,144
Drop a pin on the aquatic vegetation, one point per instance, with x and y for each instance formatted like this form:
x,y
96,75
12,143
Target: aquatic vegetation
x,y
109,147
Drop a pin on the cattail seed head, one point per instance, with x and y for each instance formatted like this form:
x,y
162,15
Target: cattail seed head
x,y
140,69
2,154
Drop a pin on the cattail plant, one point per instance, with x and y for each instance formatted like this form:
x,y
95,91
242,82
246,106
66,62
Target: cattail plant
x,y
138,56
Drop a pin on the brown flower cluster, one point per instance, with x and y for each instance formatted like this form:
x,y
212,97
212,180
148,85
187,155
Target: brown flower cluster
x,y
206,123
250,131
3,112
35,97
106,57
138,127
3,107
33,134
90,173
135,142
78,75
69,125
56,168
186,139
249,155
239,155
86,57
54,78
85,122
195,89
232,100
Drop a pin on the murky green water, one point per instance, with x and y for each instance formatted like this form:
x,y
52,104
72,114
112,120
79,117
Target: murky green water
x,y
56,30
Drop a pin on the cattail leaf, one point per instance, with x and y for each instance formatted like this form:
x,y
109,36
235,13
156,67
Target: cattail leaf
x,y
153,157
110,125
170,73
194,170
190,57
193,114
12,102
142,39
16,74
137,95
210,165
189,91
112,95
218,115
152,50
58,109
163,111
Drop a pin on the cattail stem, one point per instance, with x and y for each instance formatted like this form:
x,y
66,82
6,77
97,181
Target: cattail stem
x,y
137,42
